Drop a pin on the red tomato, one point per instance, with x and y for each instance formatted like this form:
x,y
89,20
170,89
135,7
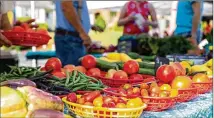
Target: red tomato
x,y
120,75
43,69
107,99
180,71
136,76
91,96
25,26
165,73
72,97
42,31
59,74
88,61
95,72
80,69
131,67
53,63
69,68
111,105
18,29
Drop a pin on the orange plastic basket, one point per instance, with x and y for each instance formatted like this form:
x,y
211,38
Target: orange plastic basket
x,y
26,38
203,87
158,103
185,95
101,112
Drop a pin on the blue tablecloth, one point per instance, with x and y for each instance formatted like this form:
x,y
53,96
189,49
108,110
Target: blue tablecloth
x,y
200,107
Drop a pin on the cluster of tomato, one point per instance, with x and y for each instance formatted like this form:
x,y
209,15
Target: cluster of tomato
x,y
25,27
96,99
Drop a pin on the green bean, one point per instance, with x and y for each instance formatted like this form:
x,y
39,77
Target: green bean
x,y
67,78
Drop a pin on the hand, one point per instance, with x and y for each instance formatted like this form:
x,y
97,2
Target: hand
x,y
4,41
195,51
131,17
96,28
86,39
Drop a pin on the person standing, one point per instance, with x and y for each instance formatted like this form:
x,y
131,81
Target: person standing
x,y
188,20
72,27
129,14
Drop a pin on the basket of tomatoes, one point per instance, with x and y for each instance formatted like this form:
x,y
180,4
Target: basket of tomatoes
x,y
25,36
202,82
95,105
157,97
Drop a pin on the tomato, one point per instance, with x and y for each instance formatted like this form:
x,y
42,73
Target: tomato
x,y
165,87
164,94
111,105
80,69
88,61
131,67
178,68
25,26
127,86
160,83
81,101
154,89
120,75
130,92
18,29
181,82
72,97
165,73
53,63
144,92
98,102
136,77
133,103
136,91
107,99
42,31
200,77
95,72
121,105
110,73
92,95
59,74
69,68
173,93
144,86
88,103
43,69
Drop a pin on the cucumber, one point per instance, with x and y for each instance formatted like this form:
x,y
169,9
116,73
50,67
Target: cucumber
x,y
146,65
134,55
106,65
146,71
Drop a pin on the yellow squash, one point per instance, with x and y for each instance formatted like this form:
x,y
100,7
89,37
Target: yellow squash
x,y
113,56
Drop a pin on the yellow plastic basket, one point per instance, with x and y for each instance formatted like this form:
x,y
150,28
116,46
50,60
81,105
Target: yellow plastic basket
x,y
101,112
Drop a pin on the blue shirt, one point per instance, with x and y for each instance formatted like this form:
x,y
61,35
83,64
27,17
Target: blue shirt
x,y
62,22
184,16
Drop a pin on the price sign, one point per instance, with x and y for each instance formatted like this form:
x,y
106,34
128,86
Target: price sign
x,y
160,61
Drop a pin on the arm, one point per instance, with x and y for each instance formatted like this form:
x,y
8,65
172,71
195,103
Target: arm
x,y
71,15
123,19
152,12
196,6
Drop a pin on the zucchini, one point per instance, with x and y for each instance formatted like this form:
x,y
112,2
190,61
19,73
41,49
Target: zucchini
x,y
148,58
105,65
146,71
146,65
134,55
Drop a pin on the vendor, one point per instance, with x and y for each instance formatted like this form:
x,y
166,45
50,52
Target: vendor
x,y
188,20
130,13
72,27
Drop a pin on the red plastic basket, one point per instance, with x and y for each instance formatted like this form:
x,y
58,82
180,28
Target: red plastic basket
x,y
158,103
153,103
185,95
26,38
111,82
203,87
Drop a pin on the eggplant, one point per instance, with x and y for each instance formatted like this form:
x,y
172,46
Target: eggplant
x,y
14,83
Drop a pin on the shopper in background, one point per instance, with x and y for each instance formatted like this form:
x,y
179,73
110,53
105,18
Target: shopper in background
x,y
188,20
135,17
72,27
99,24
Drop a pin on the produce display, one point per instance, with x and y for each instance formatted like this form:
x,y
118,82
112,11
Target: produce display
x,y
115,85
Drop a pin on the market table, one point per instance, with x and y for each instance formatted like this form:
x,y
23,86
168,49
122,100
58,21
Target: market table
x,y
200,107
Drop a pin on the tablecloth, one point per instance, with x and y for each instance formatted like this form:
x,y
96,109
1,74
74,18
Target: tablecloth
x,y
200,107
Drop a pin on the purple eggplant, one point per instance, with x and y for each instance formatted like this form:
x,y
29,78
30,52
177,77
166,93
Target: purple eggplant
x,y
14,83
